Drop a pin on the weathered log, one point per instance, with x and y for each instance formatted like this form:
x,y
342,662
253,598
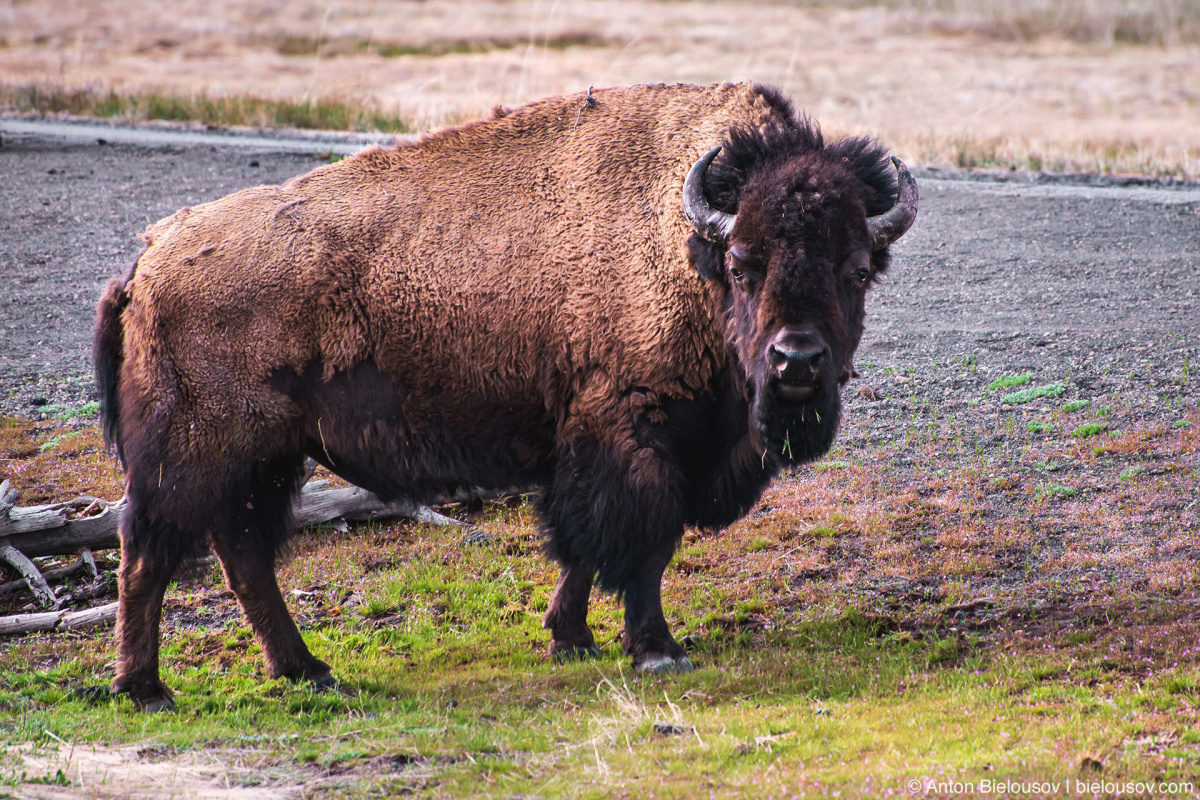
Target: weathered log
x,y
59,534
318,503
57,620
50,530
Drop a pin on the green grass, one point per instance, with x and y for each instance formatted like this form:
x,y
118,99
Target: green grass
x,y
810,680
1075,405
57,440
1027,395
822,466
89,409
1037,426
443,664
333,47
1129,473
217,111
1008,381
1089,429
1056,490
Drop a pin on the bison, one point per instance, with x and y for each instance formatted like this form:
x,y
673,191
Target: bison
x,y
643,301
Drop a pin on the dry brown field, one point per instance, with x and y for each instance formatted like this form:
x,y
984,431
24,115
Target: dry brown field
x,y
1086,85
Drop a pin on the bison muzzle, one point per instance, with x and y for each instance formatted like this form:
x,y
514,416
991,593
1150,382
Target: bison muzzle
x,y
644,308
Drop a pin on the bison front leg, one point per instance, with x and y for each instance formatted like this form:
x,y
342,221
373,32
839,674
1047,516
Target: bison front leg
x,y
647,638
624,515
567,616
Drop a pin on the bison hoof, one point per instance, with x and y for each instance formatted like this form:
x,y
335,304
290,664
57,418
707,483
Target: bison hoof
x,y
148,695
156,705
575,652
663,664
324,683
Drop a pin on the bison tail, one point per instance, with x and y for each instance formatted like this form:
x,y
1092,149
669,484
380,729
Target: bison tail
x,y
108,353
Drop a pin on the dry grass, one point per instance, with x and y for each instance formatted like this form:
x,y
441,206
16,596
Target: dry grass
x,y
217,111
1099,85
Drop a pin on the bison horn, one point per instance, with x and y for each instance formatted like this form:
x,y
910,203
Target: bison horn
x,y
891,224
710,223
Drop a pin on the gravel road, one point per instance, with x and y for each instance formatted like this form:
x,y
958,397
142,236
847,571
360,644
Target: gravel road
x,y
1005,273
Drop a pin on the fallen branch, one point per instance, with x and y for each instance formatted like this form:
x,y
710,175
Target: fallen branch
x,y
58,620
51,575
318,503
32,575
49,530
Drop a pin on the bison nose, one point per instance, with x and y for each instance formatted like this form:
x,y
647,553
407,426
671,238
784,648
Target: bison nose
x,y
796,364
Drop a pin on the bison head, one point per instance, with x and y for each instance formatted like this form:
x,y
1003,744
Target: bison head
x,y
805,236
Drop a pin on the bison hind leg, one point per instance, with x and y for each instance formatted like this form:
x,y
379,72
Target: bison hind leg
x,y
151,551
248,539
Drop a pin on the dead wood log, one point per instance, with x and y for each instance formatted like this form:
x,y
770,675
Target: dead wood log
x,y
318,503
58,529
57,620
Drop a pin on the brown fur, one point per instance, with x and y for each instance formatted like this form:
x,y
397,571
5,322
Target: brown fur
x,y
509,300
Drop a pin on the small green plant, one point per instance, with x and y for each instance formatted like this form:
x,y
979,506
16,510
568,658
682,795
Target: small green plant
x,y
1056,490
1183,423
89,409
57,779
822,466
1008,381
1129,473
1037,426
1026,395
1075,405
1089,429
967,363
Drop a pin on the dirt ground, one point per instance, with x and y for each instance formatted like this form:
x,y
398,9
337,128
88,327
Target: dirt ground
x,y
940,86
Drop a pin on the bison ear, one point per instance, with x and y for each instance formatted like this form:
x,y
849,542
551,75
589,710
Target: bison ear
x,y
707,259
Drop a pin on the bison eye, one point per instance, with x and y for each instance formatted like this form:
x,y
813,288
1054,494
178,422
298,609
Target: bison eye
x,y
737,274
858,267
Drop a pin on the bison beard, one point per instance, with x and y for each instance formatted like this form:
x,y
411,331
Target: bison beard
x,y
540,298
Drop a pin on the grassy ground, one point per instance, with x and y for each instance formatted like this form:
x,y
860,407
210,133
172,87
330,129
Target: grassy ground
x,y
929,606
1085,85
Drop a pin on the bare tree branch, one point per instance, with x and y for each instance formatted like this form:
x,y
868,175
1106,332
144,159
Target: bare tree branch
x,y
33,576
